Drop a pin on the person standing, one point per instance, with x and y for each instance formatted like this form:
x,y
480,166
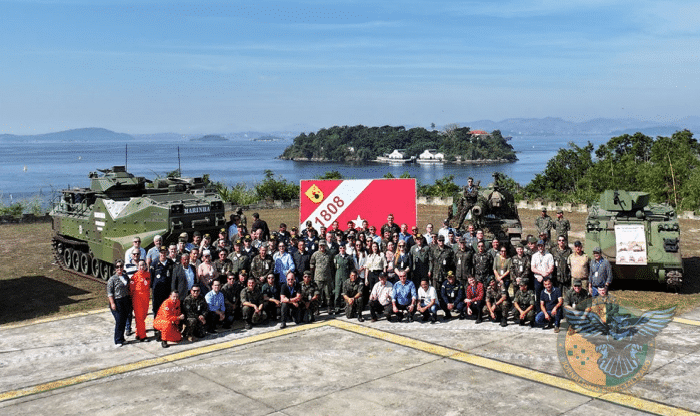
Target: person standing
x,y
161,279
578,264
600,273
542,265
544,223
561,225
140,288
119,301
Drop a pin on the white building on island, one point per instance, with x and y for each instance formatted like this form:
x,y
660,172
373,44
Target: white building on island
x,y
431,156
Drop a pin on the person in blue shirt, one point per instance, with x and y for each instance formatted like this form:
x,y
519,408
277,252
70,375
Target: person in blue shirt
x,y
403,297
600,272
284,262
217,306
551,302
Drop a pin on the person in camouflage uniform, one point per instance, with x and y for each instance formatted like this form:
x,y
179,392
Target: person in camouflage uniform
x,y
271,296
262,265
497,304
321,265
195,309
524,303
544,223
470,194
310,298
222,265
531,246
252,302
483,263
561,225
575,298
239,261
441,262
420,254
561,255
343,263
519,267
463,261
231,290
352,293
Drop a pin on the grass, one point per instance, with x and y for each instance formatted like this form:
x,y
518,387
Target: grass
x,y
33,287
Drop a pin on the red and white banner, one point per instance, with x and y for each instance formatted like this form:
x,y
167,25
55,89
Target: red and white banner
x,y
325,201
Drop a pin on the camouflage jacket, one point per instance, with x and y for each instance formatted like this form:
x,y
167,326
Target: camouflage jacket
x,y
262,267
322,266
525,299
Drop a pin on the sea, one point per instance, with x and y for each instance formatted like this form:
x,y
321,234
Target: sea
x,y
37,170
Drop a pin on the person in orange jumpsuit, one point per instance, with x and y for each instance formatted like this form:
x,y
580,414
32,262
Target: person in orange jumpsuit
x,y
168,320
140,288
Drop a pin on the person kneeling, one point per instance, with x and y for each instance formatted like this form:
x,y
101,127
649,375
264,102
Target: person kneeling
x,y
427,302
195,309
290,298
168,319
380,298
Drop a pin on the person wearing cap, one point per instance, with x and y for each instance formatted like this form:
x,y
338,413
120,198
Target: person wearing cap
x,y
261,265
531,246
578,264
600,273
544,223
542,267
574,298
310,298
561,254
548,246
380,298
445,229
284,262
181,247
223,237
231,290
482,263
352,294
497,301
311,238
470,194
248,248
161,279
441,262
427,304
452,297
524,303
294,233
153,254
321,264
136,244
420,256
195,309
519,266
239,261
561,225
259,224
463,261
551,301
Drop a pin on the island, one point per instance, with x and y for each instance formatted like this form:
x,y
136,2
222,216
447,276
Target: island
x,y
396,144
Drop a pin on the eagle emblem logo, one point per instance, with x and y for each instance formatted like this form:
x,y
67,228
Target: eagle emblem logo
x,y
608,347
315,194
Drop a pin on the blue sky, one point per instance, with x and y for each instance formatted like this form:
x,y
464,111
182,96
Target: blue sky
x,y
207,67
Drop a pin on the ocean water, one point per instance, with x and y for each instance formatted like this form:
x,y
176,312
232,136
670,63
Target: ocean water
x,y
38,169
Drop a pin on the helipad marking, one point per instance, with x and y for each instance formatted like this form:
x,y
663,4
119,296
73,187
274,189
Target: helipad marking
x,y
686,321
514,370
487,363
125,368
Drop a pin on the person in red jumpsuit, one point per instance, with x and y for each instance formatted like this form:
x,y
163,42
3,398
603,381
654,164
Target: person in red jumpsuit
x,y
140,288
168,320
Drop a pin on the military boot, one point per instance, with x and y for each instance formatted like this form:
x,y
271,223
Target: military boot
x,y
504,321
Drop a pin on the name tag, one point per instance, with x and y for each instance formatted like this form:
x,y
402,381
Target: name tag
x,y
267,266
596,274
521,268
459,261
502,271
444,261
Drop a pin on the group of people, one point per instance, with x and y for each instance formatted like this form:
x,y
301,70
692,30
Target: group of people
x,y
200,283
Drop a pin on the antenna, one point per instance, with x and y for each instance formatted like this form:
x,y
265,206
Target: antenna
x,y
179,171
126,156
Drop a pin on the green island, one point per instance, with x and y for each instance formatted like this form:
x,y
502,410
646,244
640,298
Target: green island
x,y
362,144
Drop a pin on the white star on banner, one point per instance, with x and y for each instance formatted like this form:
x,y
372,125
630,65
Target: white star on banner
x,y
358,222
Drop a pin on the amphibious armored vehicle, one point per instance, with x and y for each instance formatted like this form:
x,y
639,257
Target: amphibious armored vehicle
x,y
95,226
641,240
492,209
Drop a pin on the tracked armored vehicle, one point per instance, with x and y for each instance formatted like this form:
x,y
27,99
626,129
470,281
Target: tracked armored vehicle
x,y
641,240
492,209
94,226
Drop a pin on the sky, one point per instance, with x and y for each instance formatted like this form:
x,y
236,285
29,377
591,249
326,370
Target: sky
x,y
214,67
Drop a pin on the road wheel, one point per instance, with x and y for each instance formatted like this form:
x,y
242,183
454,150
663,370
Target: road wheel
x,y
85,263
106,270
68,258
76,260
95,268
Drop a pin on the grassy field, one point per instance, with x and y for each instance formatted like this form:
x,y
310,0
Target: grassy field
x,y
33,287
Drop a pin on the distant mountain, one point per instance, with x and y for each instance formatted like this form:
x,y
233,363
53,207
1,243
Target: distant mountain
x,y
79,135
599,126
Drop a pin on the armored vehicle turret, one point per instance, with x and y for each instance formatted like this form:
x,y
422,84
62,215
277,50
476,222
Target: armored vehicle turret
x,y
641,240
95,226
492,209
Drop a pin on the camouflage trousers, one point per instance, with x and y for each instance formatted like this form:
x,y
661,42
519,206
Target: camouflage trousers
x,y
355,308
326,289
193,328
